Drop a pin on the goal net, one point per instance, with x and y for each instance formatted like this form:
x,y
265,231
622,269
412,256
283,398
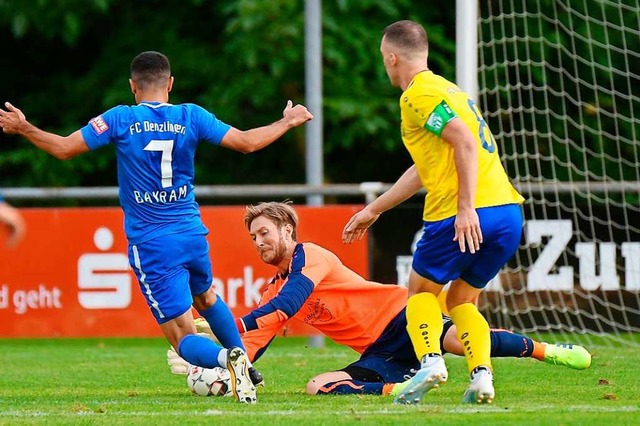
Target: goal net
x,y
559,84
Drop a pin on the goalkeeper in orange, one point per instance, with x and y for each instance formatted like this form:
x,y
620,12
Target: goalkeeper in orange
x,y
314,287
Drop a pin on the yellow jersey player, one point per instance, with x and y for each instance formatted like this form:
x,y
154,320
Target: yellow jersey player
x,y
472,215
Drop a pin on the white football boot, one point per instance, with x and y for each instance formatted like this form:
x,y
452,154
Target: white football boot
x,y
480,390
241,384
432,374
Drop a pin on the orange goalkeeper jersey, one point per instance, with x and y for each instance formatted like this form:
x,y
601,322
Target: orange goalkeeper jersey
x,y
319,290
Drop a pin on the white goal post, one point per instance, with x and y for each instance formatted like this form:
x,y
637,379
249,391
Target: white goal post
x,y
559,84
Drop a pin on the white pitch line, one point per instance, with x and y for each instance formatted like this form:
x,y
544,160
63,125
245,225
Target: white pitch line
x,y
297,412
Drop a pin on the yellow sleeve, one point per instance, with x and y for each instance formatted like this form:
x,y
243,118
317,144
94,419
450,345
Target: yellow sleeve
x,y
431,112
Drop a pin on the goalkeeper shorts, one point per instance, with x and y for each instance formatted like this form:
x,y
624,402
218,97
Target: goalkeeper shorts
x,y
391,358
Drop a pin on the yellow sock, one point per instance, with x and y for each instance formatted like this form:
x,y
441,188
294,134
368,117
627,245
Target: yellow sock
x,y
442,299
424,324
473,332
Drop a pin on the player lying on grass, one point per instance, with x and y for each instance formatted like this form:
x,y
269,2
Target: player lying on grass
x,y
313,286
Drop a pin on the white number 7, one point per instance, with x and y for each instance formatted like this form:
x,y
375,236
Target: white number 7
x,y
166,147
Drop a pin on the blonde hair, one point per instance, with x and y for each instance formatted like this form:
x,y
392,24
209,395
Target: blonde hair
x,y
280,213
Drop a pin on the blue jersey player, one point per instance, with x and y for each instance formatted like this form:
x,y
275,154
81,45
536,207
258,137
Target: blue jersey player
x,y
155,144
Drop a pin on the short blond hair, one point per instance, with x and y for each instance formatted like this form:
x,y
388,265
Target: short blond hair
x,y
280,213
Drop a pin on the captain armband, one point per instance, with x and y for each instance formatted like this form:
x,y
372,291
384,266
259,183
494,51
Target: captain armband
x,y
439,117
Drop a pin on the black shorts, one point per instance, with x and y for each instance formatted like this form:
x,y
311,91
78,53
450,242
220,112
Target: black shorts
x,y
391,358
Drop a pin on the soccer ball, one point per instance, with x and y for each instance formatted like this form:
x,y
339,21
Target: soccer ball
x,y
209,381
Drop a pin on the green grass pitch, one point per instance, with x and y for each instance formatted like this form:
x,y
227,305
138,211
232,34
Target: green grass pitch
x,y
127,381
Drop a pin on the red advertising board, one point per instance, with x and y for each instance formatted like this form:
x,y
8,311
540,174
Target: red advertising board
x,y
70,277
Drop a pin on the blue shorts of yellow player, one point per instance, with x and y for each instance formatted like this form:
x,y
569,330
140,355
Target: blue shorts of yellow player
x,y
439,259
170,270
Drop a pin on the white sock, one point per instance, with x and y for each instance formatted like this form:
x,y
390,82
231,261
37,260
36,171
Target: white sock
x,y
222,358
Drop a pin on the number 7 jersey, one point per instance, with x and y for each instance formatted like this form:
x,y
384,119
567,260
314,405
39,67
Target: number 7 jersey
x,y
426,106
155,149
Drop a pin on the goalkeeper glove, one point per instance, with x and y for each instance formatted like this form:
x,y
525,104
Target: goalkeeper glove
x,y
177,364
203,328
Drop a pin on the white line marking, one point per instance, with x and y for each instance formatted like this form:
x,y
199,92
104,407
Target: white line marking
x,y
394,410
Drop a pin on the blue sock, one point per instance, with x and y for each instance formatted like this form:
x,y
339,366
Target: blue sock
x,y
223,324
504,343
199,350
347,387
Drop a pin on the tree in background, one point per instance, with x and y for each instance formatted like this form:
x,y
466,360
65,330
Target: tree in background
x,y
65,62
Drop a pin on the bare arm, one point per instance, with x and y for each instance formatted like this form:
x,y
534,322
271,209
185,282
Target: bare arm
x,y
255,139
407,185
10,217
13,121
465,149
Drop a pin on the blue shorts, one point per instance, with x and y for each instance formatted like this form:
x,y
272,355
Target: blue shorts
x,y
391,358
438,257
170,270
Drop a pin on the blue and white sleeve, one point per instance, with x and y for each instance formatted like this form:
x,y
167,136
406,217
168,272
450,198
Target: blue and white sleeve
x,y
101,130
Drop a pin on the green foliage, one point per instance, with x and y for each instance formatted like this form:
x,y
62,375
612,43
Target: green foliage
x,y
579,120
127,382
50,18
67,61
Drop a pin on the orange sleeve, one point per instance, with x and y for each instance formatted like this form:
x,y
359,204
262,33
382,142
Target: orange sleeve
x,y
257,341
315,265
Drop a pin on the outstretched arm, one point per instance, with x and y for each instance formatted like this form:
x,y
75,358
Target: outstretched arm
x,y
13,121
10,217
255,139
407,185
278,310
